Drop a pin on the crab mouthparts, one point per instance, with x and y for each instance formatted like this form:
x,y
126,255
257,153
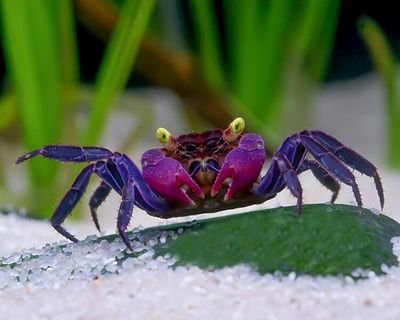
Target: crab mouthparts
x,y
204,172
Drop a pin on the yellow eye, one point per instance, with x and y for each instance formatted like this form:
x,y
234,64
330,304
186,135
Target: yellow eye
x,y
162,135
237,125
234,130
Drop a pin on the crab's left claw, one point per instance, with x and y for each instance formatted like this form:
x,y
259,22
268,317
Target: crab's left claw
x,y
167,177
243,165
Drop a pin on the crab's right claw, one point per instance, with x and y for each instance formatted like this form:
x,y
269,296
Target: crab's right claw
x,y
167,177
243,165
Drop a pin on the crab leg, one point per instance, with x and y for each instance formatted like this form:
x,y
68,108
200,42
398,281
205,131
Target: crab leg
x,y
271,183
99,195
332,164
108,171
352,159
290,177
323,176
122,175
68,153
280,174
69,201
294,151
125,210
118,173
135,191
327,167
145,197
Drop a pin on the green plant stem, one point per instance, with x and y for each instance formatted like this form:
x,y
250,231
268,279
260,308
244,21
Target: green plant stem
x,y
321,21
385,64
208,42
32,57
117,63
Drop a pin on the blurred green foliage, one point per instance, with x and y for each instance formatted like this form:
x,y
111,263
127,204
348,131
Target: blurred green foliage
x,y
385,63
266,57
41,55
276,51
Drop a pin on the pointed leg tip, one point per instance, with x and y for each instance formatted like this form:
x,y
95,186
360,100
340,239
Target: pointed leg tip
x,y
129,246
382,203
27,156
65,233
125,239
360,209
298,212
95,220
20,160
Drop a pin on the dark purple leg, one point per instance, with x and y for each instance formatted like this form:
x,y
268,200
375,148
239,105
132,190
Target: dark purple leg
x,y
125,211
69,201
109,173
99,195
273,182
331,164
122,175
352,159
68,153
117,172
290,177
327,167
323,176
294,151
145,198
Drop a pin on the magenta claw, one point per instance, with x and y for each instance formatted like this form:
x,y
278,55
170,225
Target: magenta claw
x,y
227,171
184,178
167,176
242,164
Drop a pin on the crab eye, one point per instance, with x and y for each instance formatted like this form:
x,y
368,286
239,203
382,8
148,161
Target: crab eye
x,y
166,138
162,135
234,130
237,125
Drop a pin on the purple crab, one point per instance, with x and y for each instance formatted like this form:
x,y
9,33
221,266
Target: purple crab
x,y
206,172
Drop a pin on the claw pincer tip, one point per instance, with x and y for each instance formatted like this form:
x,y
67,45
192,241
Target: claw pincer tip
x,y
26,156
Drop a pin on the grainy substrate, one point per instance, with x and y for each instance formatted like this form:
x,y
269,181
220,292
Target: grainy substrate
x,y
86,281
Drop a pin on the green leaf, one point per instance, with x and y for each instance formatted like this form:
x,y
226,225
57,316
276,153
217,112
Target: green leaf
x,y
32,57
277,240
117,63
209,44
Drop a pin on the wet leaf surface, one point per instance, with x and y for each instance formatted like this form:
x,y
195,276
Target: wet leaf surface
x,y
324,240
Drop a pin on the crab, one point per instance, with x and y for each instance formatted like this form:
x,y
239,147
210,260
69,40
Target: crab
x,y
206,172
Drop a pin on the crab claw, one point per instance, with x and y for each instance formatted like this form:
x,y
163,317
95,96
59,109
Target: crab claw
x,y
167,177
243,165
